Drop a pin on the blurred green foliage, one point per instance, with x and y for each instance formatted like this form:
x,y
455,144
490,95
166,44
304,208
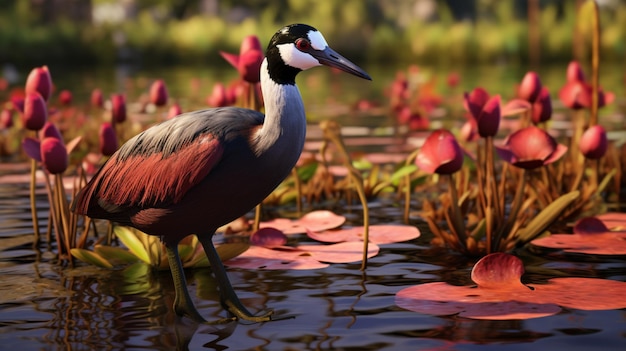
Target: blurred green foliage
x,y
163,31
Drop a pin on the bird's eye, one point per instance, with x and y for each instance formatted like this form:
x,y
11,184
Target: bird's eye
x,y
303,44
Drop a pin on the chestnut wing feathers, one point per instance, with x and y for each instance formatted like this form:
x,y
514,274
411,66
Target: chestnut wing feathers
x,y
157,167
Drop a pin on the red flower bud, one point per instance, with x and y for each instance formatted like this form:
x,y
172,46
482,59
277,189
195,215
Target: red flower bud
x,y
96,98
594,143
54,155
49,130
542,107
174,111
65,97
6,119
218,97
158,93
530,87
35,111
574,72
118,108
39,81
108,139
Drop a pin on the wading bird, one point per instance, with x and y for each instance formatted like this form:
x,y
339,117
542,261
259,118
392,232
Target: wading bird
x,y
200,170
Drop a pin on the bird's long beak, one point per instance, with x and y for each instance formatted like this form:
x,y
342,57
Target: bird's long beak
x,y
331,58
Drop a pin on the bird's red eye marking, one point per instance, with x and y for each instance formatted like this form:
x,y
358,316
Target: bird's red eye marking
x,y
303,44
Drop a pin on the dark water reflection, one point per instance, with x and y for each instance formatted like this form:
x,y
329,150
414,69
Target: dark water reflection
x,y
46,307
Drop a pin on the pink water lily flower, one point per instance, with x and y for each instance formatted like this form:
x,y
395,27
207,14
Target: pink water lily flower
x,y
530,148
577,93
440,154
248,62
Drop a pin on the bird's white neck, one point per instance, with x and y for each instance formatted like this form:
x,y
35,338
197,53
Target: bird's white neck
x,y
285,121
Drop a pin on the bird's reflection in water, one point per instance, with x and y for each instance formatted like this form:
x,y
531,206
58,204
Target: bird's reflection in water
x,y
131,307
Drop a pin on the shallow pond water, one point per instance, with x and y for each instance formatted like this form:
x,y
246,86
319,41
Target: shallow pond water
x,y
45,307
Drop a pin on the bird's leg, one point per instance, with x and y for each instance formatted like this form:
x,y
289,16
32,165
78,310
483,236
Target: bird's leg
x,y
227,293
182,302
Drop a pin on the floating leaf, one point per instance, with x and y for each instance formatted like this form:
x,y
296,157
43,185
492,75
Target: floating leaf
x,y
130,240
115,255
316,221
500,295
378,234
90,257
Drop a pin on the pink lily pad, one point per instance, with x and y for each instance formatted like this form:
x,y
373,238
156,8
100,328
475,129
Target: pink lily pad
x,y
378,234
340,253
607,243
301,257
591,236
613,220
257,257
316,221
500,294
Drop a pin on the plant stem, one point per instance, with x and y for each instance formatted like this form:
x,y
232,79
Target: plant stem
x,y
513,215
332,132
33,205
407,180
457,218
595,65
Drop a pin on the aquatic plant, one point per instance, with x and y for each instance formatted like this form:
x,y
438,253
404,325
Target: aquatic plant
x,y
499,293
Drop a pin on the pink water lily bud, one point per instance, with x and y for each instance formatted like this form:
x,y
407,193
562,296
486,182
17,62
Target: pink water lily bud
x,y
54,155
440,154
65,97
530,148
475,100
530,87
49,130
574,72
97,100
6,119
158,93
118,108
174,111
108,139
35,111
542,107
488,120
40,81
594,142
218,97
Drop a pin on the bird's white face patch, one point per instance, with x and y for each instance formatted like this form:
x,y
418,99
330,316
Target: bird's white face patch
x,y
317,40
298,59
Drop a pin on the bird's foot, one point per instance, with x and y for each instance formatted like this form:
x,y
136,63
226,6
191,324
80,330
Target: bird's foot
x,y
241,313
